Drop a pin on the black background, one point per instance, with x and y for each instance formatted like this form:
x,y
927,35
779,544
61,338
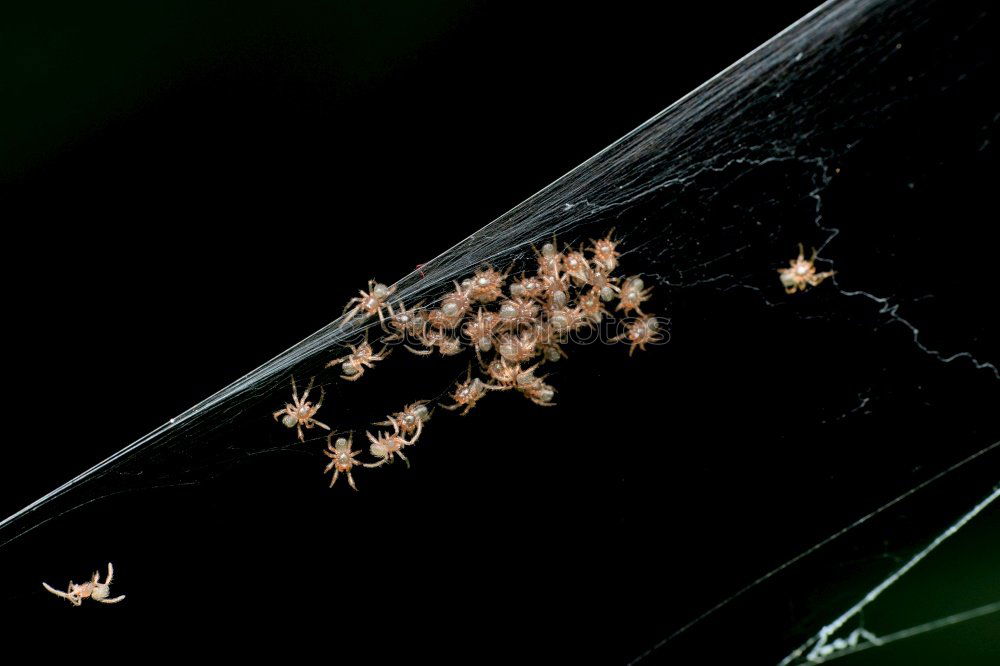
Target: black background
x,y
191,188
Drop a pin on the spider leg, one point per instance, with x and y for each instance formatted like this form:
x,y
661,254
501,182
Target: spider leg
x,y
112,601
419,352
308,388
64,595
356,299
336,475
295,393
302,437
320,424
350,480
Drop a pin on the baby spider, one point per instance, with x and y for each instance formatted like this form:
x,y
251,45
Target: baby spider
x,y
539,393
341,458
509,375
387,445
604,252
479,331
300,412
549,259
404,323
487,284
371,302
467,393
518,348
645,329
517,312
412,415
454,306
363,356
801,273
527,287
632,295
576,266
446,344
93,589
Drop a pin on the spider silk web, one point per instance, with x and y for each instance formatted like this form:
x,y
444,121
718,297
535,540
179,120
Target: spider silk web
x,y
709,197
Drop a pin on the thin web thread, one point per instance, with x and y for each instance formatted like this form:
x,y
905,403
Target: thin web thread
x,y
820,641
812,549
941,623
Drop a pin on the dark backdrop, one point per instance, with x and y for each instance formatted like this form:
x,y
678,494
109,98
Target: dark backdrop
x,y
190,188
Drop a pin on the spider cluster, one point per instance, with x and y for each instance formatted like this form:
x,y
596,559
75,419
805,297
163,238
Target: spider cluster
x,y
406,428
513,325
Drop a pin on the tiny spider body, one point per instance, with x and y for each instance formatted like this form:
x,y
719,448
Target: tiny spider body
x,y
404,322
300,411
549,260
563,319
387,445
555,290
527,287
362,356
640,332
591,305
341,458
518,348
801,273
534,389
576,266
410,418
467,393
486,285
371,302
508,375
632,295
605,252
517,312
479,331
444,342
601,282
92,589
454,306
